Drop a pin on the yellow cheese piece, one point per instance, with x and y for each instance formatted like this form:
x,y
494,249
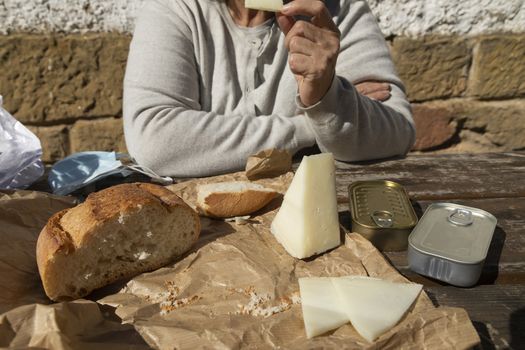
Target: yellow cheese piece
x,y
264,5
308,222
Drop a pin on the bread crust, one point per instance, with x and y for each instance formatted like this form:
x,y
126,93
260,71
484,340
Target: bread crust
x,y
52,239
231,204
67,230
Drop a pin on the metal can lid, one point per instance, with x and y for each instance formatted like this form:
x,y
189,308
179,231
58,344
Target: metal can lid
x,y
381,204
454,232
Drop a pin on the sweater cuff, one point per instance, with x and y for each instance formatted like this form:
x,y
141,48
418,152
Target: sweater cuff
x,y
325,109
304,135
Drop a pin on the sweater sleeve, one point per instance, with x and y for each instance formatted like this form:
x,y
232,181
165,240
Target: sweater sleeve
x,y
351,126
164,124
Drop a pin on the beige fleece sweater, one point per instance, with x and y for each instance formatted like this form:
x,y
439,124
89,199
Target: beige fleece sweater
x,y
201,94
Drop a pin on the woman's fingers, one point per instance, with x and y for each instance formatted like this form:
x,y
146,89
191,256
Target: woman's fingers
x,y
285,22
379,96
316,9
301,45
302,29
300,64
375,90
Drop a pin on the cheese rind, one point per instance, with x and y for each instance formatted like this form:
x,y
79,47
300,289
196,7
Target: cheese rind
x,y
308,222
264,5
374,306
321,312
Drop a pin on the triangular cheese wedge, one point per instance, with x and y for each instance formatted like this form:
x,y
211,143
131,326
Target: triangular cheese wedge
x,y
374,306
264,5
308,222
321,311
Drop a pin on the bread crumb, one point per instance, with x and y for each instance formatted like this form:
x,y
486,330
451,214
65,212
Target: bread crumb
x,y
87,276
149,234
121,218
142,255
171,302
169,305
260,305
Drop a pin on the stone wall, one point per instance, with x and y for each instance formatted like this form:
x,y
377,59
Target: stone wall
x,y
468,94
62,71
66,88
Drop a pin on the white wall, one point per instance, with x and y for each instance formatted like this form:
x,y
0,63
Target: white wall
x,y
396,17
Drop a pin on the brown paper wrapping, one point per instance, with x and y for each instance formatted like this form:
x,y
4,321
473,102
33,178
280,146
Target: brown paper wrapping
x,y
22,215
237,288
268,163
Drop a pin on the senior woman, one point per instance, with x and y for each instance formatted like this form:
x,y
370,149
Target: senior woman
x,y
209,82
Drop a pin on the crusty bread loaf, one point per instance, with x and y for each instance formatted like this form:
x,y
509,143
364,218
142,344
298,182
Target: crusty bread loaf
x,y
230,199
116,233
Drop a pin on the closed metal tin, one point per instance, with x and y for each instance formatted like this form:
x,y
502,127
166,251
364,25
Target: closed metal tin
x,y
381,212
450,243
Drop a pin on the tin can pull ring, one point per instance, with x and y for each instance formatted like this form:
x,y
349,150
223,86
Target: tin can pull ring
x,y
461,217
383,218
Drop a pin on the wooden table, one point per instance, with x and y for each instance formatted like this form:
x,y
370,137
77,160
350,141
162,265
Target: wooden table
x,y
492,182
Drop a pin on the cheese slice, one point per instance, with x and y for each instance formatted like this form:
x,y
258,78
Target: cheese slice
x,y
308,222
374,306
264,5
321,311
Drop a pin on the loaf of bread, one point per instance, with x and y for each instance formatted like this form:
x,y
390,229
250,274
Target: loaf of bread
x,y
231,199
116,233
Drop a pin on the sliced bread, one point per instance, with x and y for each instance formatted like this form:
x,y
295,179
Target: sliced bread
x,y
231,199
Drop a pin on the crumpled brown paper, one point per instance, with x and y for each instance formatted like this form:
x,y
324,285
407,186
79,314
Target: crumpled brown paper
x,y
25,318
80,324
22,215
237,288
268,163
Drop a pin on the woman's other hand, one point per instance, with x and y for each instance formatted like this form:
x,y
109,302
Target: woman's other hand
x,y
375,90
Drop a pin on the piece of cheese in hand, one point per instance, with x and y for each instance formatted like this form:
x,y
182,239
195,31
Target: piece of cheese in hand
x,y
264,5
308,222
374,306
321,311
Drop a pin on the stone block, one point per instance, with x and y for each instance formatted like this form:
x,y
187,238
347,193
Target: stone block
x,y
54,140
49,78
498,67
434,125
97,135
432,67
502,123
473,125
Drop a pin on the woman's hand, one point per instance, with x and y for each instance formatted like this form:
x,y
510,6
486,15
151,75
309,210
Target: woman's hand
x,y
375,90
313,47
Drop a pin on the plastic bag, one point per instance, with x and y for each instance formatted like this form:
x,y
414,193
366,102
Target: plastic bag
x,y
20,153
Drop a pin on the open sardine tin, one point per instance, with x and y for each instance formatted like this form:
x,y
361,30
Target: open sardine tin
x,y
382,213
450,243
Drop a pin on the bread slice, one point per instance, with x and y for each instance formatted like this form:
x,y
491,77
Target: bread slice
x,y
116,233
230,199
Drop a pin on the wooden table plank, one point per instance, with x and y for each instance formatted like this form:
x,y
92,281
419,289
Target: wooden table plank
x,y
491,175
497,312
